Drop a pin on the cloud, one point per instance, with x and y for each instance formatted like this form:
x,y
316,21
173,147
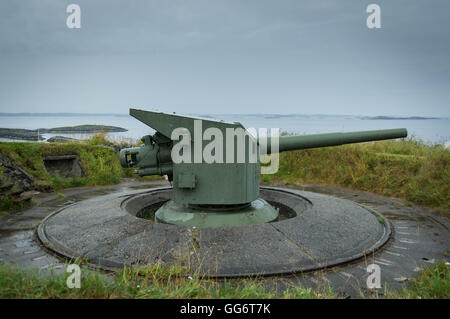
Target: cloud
x,y
236,55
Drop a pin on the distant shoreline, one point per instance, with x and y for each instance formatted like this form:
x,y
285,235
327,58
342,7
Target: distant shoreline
x,y
58,114
398,118
264,115
35,135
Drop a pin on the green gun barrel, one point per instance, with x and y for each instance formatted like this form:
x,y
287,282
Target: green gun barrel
x,y
299,142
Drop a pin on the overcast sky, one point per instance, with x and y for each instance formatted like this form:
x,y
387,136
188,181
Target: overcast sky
x,y
226,56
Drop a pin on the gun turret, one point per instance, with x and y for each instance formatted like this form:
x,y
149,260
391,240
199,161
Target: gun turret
x,y
214,165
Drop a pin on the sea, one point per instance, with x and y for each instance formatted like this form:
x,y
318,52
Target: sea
x,y
429,130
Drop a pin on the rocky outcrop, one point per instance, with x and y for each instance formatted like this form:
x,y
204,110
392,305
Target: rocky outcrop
x,y
61,139
87,128
34,135
14,175
20,134
15,184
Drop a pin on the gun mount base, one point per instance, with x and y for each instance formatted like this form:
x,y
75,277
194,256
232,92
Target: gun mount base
x,y
324,231
256,212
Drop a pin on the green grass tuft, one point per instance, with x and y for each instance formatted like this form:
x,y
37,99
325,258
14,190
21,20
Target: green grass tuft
x,y
59,196
153,282
433,282
407,169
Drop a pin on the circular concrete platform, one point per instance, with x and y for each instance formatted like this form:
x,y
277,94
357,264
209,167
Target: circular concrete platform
x,y
326,231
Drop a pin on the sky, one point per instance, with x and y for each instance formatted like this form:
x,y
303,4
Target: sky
x,y
226,56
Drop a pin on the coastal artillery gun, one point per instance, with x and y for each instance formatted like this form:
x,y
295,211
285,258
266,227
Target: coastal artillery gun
x,y
216,183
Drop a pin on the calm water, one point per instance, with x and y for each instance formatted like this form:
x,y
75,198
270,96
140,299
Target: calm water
x,y
430,131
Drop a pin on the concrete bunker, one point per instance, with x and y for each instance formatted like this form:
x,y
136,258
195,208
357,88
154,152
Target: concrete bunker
x,y
64,165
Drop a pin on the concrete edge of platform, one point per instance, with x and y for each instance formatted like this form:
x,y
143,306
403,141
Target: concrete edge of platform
x,y
54,246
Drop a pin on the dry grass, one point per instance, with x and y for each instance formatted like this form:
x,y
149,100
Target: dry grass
x,y
406,169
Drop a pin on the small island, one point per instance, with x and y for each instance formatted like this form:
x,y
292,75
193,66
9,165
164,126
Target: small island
x,y
383,117
34,135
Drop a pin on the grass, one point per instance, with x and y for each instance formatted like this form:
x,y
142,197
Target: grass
x,y
100,163
9,204
406,169
173,282
432,283
59,196
151,282
98,158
